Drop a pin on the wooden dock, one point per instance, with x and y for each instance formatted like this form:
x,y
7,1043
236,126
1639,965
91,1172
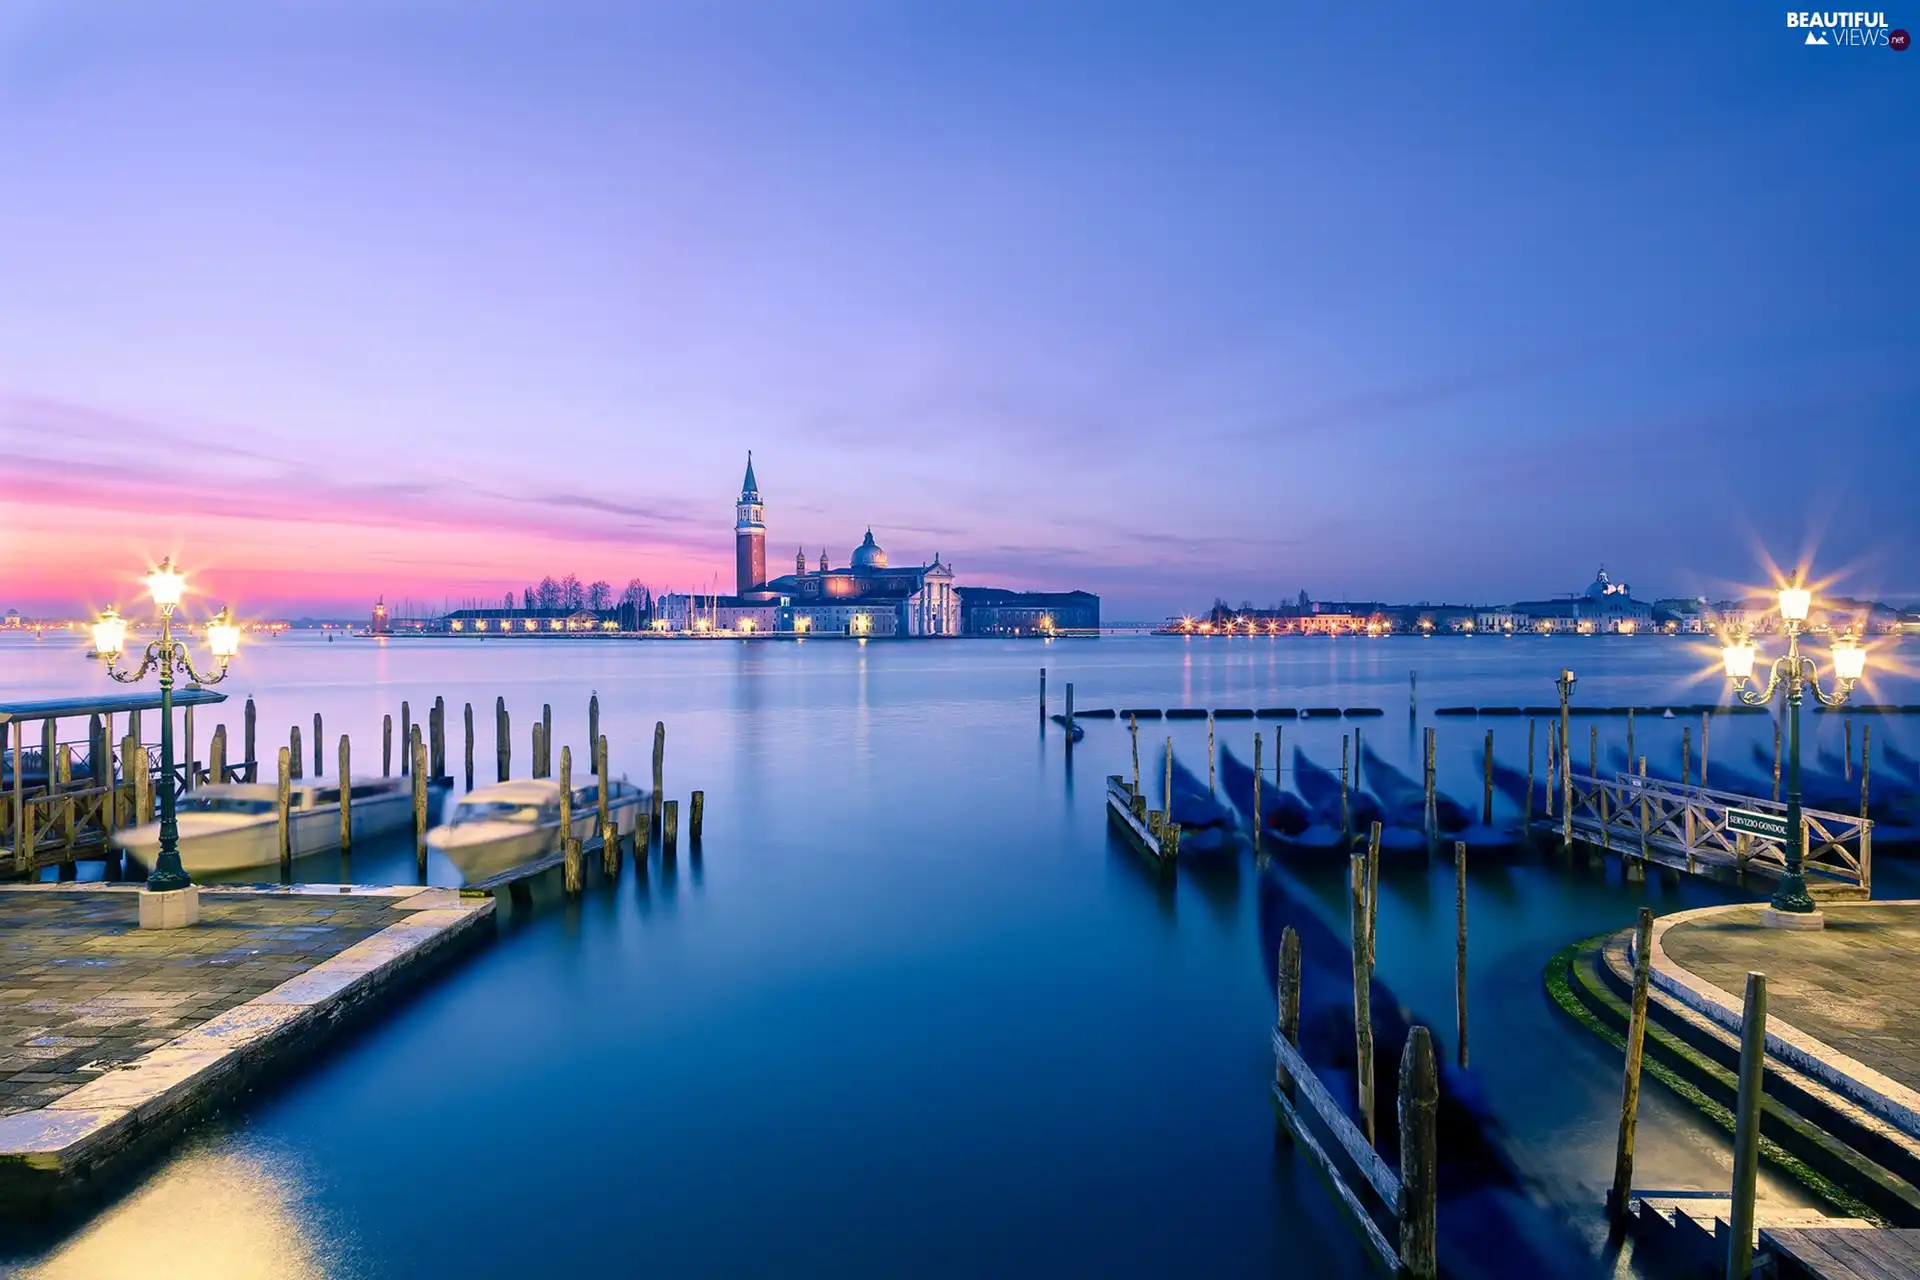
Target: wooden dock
x,y
1145,830
1689,1229
1827,1253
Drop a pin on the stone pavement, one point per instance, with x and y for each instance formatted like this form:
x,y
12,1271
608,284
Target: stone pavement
x,y
83,989
1854,985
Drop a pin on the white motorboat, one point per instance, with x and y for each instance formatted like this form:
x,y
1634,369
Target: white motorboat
x,y
505,824
231,826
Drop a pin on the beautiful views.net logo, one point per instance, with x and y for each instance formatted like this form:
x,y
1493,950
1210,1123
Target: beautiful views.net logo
x,y
1849,30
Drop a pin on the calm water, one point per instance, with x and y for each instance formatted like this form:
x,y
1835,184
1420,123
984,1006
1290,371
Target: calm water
x,y
913,1011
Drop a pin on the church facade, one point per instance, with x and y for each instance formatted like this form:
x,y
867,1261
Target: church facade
x,y
866,597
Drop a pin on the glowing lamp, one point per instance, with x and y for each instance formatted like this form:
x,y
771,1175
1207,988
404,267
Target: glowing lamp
x,y
110,633
1795,603
223,636
1737,657
1849,659
167,584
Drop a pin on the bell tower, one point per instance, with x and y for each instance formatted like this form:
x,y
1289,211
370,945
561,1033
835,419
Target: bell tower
x,y
749,536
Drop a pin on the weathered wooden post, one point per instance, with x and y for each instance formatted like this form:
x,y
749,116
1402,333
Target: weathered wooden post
x,y
346,796
610,850
469,721
1866,765
1645,818
659,768
317,740
1211,786
696,817
1553,781
1486,785
217,754
1356,757
1413,694
1419,1157
1288,988
386,746
1593,753
406,736
1776,760
186,729
569,847
1460,948
1630,756
1630,1089
1531,726
293,747
600,777
253,763
283,801
1069,718
1167,795
1430,815
1846,763
22,852
1566,764
129,756
670,826
502,740
539,752
1706,741
1362,993
1346,809
642,839
419,755
593,716
546,740
142,781
437,728
61,777
1686,757
1373,892
1043,699
1746,1126
1257,828
1133,733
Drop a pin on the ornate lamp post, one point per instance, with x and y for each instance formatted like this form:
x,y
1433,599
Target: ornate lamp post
x,y
1793,672
109,640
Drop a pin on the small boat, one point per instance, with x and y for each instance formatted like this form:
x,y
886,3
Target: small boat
x,y
231,826
500,826
1491,1222
1405,801
1281,812
1320,788
1209,831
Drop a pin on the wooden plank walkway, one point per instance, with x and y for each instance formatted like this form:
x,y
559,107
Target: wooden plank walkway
x,y
1828,1253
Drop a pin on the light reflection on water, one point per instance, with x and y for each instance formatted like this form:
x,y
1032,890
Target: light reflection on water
x,y
912,1011
222,1214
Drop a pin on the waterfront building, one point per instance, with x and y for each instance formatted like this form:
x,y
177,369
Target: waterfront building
x,y
1683,615
1605,607
525,621
750,537
992,611
378,626
1492,620
13,621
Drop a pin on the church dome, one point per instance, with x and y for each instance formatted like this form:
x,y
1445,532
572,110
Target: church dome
x,y
868,554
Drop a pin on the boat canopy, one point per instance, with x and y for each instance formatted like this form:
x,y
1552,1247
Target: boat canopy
x,y
63,708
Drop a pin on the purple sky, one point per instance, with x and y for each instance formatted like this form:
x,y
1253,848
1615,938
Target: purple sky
x,y
1161,301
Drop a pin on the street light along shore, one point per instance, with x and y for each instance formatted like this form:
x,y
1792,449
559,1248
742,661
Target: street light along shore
x,y
170,901
1795,675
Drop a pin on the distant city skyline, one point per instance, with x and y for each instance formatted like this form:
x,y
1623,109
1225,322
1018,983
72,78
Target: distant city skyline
x,y
1162,303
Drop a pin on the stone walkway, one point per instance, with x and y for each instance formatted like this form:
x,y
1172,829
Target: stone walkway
x,y
1854,985
83,989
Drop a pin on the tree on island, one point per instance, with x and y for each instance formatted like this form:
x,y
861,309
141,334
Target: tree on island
x,y
600,596
572,594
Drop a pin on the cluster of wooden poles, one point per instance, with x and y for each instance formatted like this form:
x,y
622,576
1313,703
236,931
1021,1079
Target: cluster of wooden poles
x,y
424,759
1411,1192
1746,1112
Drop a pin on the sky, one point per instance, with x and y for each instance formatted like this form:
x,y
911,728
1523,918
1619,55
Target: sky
x,y
1164,301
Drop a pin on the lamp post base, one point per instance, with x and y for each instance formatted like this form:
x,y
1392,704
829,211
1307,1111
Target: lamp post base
x,y
1773,919
172,909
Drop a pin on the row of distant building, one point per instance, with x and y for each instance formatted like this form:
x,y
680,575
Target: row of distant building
x,y
1604,608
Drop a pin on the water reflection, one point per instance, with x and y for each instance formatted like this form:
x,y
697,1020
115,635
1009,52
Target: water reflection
x,y
208,1215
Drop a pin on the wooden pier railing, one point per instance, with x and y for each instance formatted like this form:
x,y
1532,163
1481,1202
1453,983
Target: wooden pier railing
x,y
1697,828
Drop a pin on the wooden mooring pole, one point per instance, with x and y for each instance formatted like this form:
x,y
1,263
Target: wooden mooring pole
x,y
1746,1127
593,716
610,850
293,748
1460,949
605,814
539,750
246,741
317,747
1531,726
186,729
1069,720
1346,808
670,826
1486,783
569,847
1373,893
1288,988
346,797
418,753
656,808
696,817
1846,761
502,741
282,801
217,754
406,736
1256,791
1166,796
1686,756
437,738
1630,754
469,721
1043,699
1211,787
1133,734
1419,1156
1362,993
1866,765
386,746
1430,817
1630,1089
546,740
1706,741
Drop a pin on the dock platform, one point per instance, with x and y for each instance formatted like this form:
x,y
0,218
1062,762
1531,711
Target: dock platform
x,y
1826,1253
114,1038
